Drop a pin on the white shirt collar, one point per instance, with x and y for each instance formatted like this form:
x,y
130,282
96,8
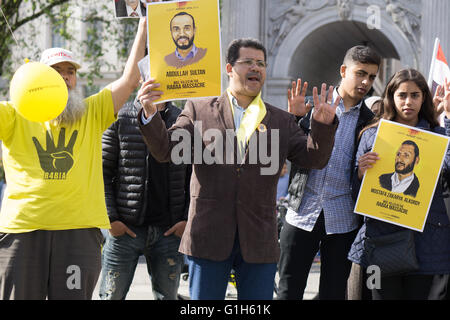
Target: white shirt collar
x,y
400,186
138,10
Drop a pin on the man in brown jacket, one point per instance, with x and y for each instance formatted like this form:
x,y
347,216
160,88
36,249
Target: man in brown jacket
x,y
232,221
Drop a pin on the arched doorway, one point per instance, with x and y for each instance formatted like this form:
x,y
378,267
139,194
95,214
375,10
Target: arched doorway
x,y
314,49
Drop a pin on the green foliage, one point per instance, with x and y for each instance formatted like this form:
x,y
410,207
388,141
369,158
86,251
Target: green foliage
x,y
102,32
17,16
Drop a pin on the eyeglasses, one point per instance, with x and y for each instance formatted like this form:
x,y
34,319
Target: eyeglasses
x,y
251,62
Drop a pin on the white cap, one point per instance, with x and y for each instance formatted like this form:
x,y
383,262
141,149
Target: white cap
x,y
56,55
371,100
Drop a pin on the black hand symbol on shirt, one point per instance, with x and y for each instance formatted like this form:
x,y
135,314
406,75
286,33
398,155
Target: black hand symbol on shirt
x,y
56,158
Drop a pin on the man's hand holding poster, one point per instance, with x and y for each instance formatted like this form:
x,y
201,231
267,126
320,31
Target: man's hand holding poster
x,y
184,48
400,186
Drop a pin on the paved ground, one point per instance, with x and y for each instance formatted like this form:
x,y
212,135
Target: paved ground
x,y
141,286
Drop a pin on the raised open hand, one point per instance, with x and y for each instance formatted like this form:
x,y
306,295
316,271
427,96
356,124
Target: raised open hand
x,y
437,100
441,99
296,99
57,158
324,110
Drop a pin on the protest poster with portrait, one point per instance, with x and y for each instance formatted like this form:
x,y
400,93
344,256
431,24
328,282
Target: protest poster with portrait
x,y
184,48
400,186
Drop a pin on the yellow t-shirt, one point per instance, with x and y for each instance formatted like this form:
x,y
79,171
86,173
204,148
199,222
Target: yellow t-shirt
x,y
55,176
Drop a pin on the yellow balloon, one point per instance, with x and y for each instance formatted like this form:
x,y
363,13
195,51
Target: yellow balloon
x,y
38,92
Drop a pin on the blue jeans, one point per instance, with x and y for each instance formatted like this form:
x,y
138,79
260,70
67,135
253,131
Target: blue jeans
x,y
208,279
120,257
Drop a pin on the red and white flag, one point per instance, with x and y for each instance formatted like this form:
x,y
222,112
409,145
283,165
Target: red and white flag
x,y
439,69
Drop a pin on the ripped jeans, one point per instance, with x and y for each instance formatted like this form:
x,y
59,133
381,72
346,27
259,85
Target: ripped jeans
x,y
120,257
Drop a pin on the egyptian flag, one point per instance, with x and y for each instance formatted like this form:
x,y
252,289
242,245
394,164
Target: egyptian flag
x,y
439,69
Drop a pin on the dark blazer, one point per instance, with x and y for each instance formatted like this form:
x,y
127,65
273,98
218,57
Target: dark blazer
x,y
121,8
173,61
386,182
229,198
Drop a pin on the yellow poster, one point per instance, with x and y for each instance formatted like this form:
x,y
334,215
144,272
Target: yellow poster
x,y
400,186
184,48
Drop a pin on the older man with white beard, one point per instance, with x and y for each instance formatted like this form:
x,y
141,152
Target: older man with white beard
x,y
54,206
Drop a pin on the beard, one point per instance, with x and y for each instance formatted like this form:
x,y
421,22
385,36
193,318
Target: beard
x,y
185,46
407,169
73,111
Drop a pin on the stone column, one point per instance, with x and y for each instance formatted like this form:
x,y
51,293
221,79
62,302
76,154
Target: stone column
x,y
239,19
276,91
435,23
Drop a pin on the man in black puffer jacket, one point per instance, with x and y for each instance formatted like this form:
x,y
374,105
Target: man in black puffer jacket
x,y
147,204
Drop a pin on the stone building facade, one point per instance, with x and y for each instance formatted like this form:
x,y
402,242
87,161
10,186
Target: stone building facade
x,y
308,38
304,38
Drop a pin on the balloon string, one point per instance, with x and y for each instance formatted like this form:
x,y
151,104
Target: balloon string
x,y
10,30
12,33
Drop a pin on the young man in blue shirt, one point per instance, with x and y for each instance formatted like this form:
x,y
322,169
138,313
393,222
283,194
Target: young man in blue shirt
x,y
320,214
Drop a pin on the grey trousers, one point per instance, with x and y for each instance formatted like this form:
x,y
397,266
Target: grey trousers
x,y
62,264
